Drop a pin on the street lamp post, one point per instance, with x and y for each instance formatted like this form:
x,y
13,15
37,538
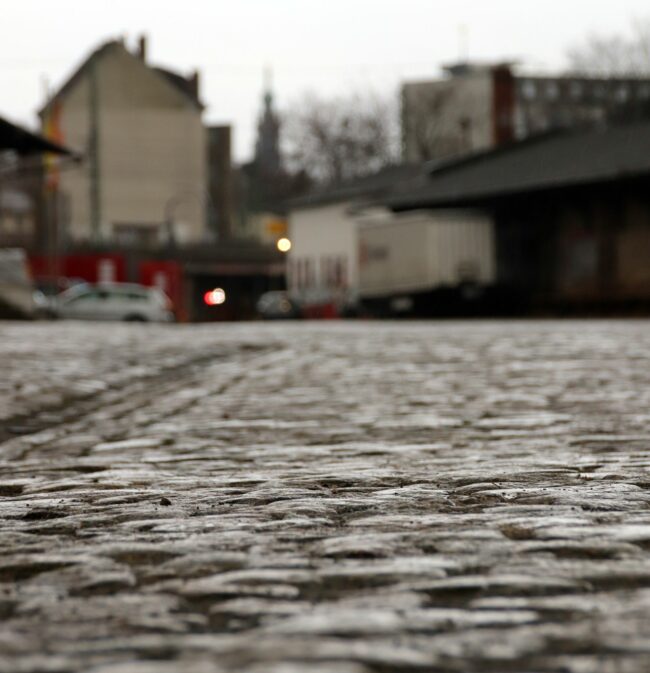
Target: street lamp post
x,y
203,198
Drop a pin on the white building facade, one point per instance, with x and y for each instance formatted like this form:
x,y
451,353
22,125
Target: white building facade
x,y
324,257
476,107
140,132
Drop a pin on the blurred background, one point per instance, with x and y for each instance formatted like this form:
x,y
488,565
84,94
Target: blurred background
x,y
200,161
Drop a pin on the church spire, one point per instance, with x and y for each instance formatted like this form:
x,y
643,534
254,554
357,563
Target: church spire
x,y
267,147
268,84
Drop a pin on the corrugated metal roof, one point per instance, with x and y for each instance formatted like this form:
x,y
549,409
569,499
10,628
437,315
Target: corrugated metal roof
x,y
553,161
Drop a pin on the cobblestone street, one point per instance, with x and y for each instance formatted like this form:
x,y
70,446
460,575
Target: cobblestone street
x,y
325,497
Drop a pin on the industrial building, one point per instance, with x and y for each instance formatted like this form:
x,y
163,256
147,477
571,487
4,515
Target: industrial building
x,y
477,106
571,213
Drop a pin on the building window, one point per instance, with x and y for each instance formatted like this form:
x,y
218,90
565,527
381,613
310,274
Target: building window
x,y
622,93
552,90
309,274
528,89
161,281
300,273
643,91
106,271
599,91
576,90
341,272
325,271
144,235
521,126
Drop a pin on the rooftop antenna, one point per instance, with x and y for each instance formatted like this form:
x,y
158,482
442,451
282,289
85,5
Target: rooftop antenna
x,y
463,43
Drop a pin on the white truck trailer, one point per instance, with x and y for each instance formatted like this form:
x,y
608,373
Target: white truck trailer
x,y
425,256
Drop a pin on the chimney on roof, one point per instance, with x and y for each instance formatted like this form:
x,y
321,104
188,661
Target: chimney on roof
x,y
142,48
193,81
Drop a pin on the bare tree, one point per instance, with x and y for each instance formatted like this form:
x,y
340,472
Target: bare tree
x,y
614,55
336,139
430,124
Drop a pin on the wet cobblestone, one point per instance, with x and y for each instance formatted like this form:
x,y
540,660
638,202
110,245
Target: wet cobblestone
x,y
325,497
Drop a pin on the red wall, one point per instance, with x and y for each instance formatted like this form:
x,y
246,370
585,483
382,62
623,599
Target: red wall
x,y
86,267
168,276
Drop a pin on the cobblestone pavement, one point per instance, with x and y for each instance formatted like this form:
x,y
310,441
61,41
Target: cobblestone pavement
x,y
331,498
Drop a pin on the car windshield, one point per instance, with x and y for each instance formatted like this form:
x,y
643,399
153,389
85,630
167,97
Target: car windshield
x,y
86,296
75,291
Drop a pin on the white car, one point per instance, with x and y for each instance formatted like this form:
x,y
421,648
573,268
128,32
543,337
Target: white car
x,y
114,301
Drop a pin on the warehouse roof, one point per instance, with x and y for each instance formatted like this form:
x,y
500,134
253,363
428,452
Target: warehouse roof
x,y
375,186
20,140
551,161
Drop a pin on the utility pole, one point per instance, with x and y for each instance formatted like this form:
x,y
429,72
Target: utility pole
x,y
49,236
95,195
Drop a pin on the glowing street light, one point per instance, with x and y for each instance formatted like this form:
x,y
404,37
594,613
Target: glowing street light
x,y
284,245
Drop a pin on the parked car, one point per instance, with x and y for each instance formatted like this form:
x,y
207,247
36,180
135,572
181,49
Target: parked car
x,y
18,298
114,301
54,286
278,305
47,292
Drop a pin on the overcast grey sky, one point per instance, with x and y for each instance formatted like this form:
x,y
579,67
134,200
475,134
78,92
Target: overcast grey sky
x,y
329,46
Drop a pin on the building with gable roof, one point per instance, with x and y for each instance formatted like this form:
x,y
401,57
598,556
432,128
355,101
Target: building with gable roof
x,y
140,130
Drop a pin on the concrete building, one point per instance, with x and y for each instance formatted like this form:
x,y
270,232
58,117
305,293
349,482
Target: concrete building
x,y
140,130
323,254
477,107
21,184
221,214
21,158
455,115
571,217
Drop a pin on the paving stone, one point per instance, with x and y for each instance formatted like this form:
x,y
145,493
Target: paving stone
x,y
325,497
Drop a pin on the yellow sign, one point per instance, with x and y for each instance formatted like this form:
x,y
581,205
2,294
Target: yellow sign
x,y
276,227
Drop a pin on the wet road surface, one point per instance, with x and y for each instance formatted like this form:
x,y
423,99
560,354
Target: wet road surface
x,y
325,497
